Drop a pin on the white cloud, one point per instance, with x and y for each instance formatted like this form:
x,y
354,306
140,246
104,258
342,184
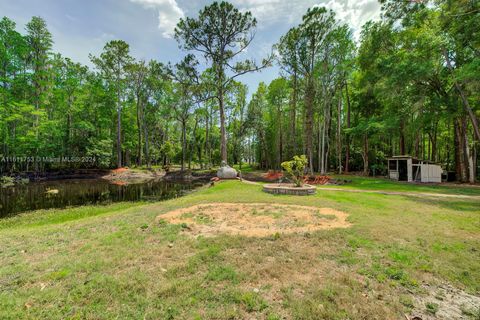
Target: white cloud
x,y
169,13
353,12
273,11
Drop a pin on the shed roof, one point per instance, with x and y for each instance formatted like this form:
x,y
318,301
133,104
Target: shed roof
x,y
401,157
406,157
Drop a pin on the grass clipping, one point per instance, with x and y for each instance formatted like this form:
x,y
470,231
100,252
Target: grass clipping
x,y
254,220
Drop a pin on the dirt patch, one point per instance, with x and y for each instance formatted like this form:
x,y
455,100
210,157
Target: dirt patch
x,y
125,176
446,302
255,220
273,175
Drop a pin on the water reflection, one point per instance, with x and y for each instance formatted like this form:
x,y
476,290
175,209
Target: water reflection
x,y
44,195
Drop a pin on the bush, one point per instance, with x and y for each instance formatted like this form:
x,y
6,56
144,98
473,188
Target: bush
x,y
295,169
6,181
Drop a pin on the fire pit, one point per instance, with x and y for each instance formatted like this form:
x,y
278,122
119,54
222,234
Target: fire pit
x,y
290,189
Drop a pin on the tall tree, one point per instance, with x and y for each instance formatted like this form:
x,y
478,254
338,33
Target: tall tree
x,y
112,64
277,98
138,73
40,43
317,24
221,33
13,53
154,93
186,92
288,57
236,124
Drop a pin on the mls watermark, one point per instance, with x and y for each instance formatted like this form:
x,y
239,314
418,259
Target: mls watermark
x,y
20,159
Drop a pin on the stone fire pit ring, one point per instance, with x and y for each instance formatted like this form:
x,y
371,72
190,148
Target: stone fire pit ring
x,y
290,189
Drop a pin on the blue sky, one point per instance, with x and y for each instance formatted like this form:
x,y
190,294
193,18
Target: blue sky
x,y
80,27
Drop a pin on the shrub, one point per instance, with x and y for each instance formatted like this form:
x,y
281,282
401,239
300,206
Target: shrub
x,y
6,181
295,169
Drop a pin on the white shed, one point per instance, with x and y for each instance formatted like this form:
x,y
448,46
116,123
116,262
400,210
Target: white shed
x,y
407,168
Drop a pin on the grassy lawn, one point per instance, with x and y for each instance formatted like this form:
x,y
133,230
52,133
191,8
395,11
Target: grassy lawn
x,y
121,262
246,168
383,184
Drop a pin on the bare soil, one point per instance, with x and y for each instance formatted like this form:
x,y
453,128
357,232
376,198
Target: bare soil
x,y
124,176
255,220
445,302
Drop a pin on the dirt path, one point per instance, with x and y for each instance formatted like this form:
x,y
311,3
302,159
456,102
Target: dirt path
x,y
393,193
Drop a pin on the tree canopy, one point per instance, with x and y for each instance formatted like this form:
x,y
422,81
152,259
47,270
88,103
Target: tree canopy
x,y
409,85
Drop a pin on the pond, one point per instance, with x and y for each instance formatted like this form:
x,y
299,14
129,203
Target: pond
x,y
36,195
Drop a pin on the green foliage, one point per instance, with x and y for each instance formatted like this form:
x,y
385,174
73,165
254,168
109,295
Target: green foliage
x,y
6,181
101,150
431,307
410,87
222,273
216,277
296,168
253,302
220,33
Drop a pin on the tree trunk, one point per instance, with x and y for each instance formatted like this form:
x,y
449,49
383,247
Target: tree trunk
x,y
280,140
320,144
119,137
402,138
67,134
119,124
417,146
165,139
184,143
139,126
347,145
221,105
223,133
447,142
460,152
199,155
207,140
423,145
339,132
127,158
293,119
324,128
469,160
466,104
327,136
192,144
147,145
365,155
241,134
309,100
474,158
433,142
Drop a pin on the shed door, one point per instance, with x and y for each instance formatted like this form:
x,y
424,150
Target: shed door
x,y
402,170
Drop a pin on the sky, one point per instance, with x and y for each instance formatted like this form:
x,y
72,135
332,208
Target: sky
x,y
82,27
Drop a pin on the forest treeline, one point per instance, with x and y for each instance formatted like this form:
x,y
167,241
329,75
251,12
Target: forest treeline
x,y
409,85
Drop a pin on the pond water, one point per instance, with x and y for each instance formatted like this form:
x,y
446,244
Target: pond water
x,y
35,196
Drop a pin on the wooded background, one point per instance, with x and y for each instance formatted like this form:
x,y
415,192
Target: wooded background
x,y
410,85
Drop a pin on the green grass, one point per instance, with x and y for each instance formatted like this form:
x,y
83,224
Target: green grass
x,y
121,261
59,216
383,184
246,168
431,307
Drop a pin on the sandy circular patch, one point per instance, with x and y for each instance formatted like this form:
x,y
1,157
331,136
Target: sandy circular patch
x,y
254,220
